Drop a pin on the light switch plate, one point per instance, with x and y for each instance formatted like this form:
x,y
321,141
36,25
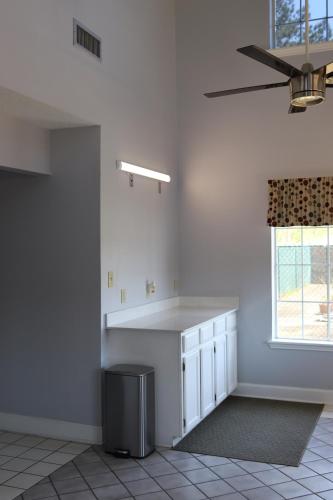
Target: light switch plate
x,y
123,295
110,279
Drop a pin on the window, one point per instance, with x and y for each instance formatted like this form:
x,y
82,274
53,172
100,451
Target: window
x,y
289,22
303,283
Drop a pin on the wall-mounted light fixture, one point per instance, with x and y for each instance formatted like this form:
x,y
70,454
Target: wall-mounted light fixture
x,y
145,172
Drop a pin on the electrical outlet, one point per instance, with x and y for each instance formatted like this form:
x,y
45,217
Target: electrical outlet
x,y
123,295
150,288
110,279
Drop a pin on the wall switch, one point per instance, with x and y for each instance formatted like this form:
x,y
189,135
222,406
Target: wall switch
x,y
150,288
123,295
110,279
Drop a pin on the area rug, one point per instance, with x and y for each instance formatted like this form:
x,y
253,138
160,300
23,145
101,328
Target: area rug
x,y
260,430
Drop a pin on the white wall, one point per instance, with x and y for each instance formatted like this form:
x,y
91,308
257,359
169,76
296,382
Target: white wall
x,y
23,146
132,95
229,147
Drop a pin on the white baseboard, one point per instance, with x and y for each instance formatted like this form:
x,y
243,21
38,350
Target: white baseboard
x,y
56,429
285,393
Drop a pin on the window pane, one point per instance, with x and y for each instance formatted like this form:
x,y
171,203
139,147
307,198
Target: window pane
x,y
289,320
318,31
287,11
330,29
317,9
289,281
330,8
315,272
287,35
331,263
314,322
288,236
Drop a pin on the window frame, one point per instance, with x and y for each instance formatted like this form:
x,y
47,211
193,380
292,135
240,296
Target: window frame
x,y
272,37
284,343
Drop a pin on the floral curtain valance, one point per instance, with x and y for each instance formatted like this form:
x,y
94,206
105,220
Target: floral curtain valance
x,y
300,202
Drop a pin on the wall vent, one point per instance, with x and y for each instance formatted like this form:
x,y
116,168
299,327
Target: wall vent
x,y
87,39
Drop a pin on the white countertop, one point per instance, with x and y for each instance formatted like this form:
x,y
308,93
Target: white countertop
x,y
173,320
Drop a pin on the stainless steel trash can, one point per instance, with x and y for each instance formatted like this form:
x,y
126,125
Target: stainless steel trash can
x,y
129,410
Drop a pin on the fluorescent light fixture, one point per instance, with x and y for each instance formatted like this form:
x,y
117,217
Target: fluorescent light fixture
x,y
135,169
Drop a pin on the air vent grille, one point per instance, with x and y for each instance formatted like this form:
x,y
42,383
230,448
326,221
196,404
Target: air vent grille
x,y
86,39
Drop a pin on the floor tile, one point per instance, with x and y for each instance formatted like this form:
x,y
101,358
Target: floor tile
x,y
173,480
82,495
316,484
157,495
254,466
40,491
10,437
264,493
325,451
186,493
58,458
87,458
314,443
5,475
298,472
119,463
173,455
242,483
70,485
41,469
132,474
18,464
51,444
13,450
231,496
160,469
100,480
273,476
29,441
228,470
201,475
215,488
290,490
23,481
74,448
327,495
321,466
210,461
309,456
187,464
142,486
113,492
3,460
35,454
93,469
8,493
65,472
154,458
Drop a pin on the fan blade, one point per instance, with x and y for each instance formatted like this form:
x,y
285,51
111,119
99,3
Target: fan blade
x,y
265,57
246,89
329,69
296,109
329,85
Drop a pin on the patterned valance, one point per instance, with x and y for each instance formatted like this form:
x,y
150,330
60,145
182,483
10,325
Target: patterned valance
x,y
300,202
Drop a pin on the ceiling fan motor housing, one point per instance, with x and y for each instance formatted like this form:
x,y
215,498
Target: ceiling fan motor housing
x,y
309,88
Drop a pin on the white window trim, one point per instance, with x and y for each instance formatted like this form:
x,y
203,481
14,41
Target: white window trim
x,y
275,342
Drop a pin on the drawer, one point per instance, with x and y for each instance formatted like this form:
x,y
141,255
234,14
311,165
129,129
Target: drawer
x,y
190,340
231,322
220,326
206,333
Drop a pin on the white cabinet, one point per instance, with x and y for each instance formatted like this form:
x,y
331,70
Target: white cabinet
x,y
232,360
220,345
191,390
207,378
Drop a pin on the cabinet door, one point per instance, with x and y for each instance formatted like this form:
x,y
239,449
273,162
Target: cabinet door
x,y
221,368
232,360
207,379
191,390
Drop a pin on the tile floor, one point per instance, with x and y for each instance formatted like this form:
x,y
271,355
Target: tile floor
x,y
166,474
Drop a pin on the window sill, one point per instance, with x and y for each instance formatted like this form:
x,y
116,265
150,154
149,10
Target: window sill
x,y
299,50
304,345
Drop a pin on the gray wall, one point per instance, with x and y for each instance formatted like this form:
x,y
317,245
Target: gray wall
x,y
229,147
50,284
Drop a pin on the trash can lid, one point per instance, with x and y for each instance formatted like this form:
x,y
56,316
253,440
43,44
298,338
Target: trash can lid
x,y
134,370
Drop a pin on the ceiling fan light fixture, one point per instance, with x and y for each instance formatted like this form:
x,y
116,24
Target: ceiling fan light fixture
x,y
307,99
309,88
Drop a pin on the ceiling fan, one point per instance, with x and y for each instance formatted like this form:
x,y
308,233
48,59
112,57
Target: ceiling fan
x,y
307,85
